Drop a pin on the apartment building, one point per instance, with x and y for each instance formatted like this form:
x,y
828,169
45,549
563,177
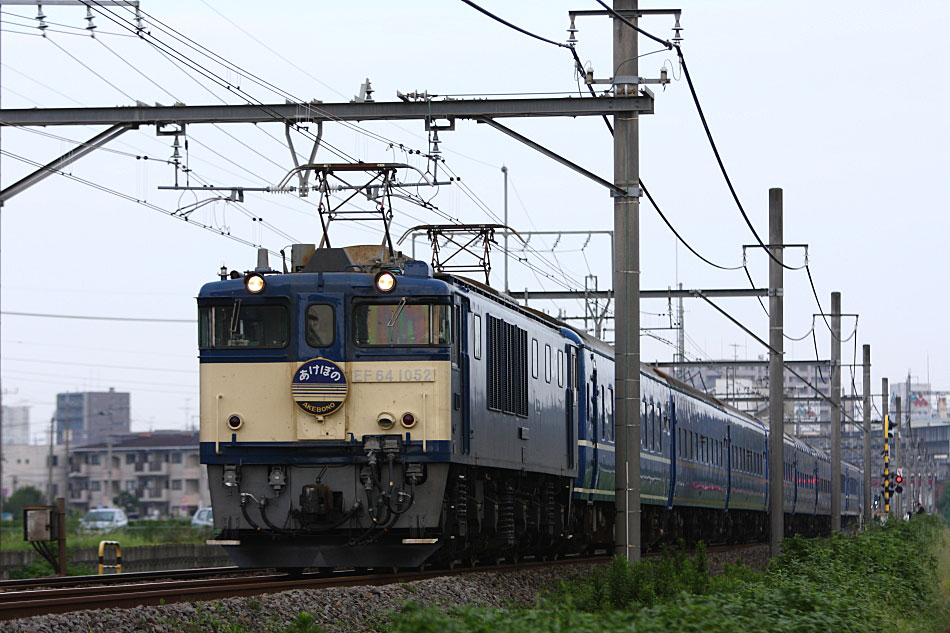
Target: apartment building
x,y
161,469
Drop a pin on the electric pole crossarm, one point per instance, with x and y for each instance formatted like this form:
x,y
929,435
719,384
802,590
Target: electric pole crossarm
x,y
66,159
306,113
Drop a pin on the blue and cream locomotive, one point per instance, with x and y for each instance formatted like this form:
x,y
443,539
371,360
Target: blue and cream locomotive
x,y
357,410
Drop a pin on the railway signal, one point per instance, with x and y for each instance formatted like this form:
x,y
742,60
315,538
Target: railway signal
x,y
886,488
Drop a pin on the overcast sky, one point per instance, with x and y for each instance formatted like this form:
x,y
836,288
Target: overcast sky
x,y
841,104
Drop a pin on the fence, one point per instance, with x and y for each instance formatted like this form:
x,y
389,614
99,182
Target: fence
x,y
144,558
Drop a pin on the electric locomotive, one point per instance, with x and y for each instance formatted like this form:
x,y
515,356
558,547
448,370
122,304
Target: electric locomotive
x,y
358,410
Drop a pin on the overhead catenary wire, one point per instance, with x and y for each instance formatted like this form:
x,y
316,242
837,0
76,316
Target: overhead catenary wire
x,y
705,123
129,198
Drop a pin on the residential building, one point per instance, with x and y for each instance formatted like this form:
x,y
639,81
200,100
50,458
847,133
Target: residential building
x,y
16,425
28,465
91,416
161,469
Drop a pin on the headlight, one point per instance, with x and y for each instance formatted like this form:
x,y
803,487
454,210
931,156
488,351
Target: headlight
x,y
385,281
254,283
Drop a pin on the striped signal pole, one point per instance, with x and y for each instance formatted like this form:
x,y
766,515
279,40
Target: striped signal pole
x,y
886,484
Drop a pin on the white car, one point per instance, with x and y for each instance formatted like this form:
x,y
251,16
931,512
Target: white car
x,y
104,519
202,518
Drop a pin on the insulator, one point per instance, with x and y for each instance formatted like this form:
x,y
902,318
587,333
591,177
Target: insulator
x,y
41,18
89,17
572,33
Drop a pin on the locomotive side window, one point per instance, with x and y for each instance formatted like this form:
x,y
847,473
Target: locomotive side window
x,y
560,368
320,325
402,324
477,335
534,358
547,363
239,326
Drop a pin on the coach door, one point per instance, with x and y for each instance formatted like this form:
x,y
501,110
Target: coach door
x,y
672,445
571,405
597,423
461,388
795,482
727,441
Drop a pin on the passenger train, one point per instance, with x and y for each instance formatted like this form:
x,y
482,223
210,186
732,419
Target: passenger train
x,y
358,410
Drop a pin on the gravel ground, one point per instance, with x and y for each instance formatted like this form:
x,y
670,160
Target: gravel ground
x,y
336,609
753,556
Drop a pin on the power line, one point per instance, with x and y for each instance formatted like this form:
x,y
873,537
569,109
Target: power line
x,y
84,65
96,318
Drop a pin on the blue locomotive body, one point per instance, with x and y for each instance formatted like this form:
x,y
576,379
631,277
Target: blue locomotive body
x,y
359,414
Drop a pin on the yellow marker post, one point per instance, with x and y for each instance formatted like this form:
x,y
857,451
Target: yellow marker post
x,y
118,556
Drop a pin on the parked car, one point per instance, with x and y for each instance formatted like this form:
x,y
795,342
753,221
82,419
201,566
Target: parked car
x,y
202,518
104,519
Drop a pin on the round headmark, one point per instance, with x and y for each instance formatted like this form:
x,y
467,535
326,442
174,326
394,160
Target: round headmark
x,y
319,387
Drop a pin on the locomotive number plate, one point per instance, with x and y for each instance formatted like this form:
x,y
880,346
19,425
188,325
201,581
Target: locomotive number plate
x,y
392,375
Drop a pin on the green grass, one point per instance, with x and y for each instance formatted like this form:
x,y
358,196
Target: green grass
x,y
887,578
137,534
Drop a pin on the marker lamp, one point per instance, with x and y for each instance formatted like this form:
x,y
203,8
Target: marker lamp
x,y
254,283
385,281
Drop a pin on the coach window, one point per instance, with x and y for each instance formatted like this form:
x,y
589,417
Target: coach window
x,y
534,358
477,335
610,413
547,363
320,325
653,418
560,368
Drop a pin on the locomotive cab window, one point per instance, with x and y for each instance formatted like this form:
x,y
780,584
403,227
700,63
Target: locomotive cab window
x,y
320,325
402,324
238,326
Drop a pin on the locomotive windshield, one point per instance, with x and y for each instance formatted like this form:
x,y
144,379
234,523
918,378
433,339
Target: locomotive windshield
x,y
237,326
401,324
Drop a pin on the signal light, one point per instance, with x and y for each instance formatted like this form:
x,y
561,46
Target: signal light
x,y
899,479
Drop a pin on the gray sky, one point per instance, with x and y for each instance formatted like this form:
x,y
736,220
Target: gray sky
x,y
838,104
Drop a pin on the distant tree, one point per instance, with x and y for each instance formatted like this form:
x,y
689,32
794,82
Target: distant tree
x,y
26,496
127,501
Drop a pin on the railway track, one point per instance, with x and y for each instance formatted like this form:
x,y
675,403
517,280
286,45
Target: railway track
x,y
25,598
127,593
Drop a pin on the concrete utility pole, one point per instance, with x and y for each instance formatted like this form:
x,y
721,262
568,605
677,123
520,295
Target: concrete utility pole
x,y
885,402
835,411
49,465
897,451
776,376
867,434
627,288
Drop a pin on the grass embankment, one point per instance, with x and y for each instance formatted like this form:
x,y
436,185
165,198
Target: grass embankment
x,y
138,533
893,578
